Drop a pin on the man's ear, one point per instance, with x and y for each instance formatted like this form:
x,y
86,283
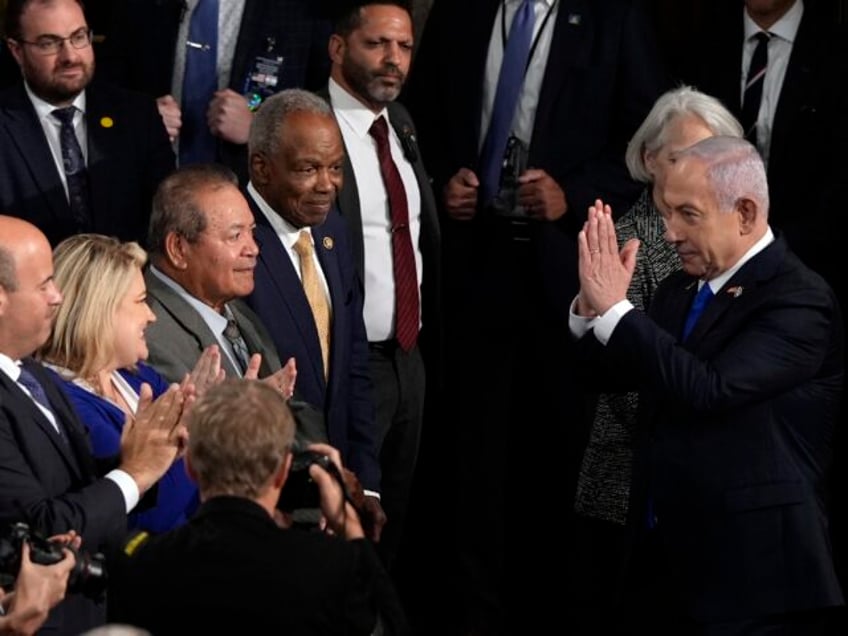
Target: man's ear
x,y
335,48
283,473
748,212
260,173
16,50
175,250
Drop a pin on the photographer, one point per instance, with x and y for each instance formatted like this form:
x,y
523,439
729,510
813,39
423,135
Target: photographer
x,y
232,557
38,588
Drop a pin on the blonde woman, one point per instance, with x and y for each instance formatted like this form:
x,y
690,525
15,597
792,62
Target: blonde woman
x,y
98,347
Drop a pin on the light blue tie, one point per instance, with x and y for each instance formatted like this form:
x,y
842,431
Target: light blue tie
x,y
510,80
200,81
702,298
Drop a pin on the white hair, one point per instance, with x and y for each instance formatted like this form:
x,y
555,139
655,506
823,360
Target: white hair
x,y
678,102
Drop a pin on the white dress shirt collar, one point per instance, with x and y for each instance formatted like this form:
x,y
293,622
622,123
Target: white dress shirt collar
x,y
358,116
785,28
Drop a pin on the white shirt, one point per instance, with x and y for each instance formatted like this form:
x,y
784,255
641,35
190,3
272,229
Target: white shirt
x,y
125,483
355,120
288,235
215,321
525,115
783,34
52,127
604,325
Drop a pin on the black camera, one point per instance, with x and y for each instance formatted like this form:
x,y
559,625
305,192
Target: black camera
x,y
300,490
88,577
514,164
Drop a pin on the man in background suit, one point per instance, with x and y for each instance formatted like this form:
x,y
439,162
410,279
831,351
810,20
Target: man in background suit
x,y
364,82
740,369
119,150
591,75
288,581
802,124
48,476
296,157
263,46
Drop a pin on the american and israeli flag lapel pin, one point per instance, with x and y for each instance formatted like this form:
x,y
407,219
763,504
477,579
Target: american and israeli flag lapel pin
x,y
735,291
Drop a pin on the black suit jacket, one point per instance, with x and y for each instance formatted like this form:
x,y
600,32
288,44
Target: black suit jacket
x,y
278,581
808,178
54,486
738,423
139,51
429,241
128,155
602,76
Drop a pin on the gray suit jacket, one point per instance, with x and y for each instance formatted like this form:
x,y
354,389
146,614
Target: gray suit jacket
x,y
178,337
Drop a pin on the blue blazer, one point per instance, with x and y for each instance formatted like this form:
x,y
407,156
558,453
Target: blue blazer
x,y
177,495
347,396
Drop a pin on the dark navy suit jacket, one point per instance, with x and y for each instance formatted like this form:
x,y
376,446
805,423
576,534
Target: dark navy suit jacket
x,y
738,426
128,155
347,396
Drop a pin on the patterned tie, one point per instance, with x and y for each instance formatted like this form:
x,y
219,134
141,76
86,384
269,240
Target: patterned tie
x,y
233,335
200,81
515,57
702,299
315,295
76,174
753,93
32,384
407,303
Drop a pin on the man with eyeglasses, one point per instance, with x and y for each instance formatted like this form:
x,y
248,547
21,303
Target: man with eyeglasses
x,y
75,155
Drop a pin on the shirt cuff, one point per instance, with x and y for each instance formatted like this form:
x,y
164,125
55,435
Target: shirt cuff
x,y
128,487
578,325
371,493
606,324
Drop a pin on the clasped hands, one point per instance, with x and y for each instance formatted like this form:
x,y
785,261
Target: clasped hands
x,y
604,270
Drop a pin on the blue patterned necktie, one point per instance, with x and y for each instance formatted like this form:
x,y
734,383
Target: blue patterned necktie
x,y
511,78
32,384
200,81
73,163
702,299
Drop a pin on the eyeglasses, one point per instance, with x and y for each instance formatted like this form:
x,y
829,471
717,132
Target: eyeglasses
x,y
52,44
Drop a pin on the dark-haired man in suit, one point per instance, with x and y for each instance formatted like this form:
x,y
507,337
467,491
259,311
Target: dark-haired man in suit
x,y
365,80
76,155
739,364
563,84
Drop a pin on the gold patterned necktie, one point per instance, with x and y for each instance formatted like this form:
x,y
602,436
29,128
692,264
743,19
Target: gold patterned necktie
x,y
314,294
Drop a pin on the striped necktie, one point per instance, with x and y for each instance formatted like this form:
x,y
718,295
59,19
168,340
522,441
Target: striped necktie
x,y
753,94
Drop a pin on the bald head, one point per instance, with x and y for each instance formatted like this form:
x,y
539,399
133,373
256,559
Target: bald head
x,y
28,296
16,235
